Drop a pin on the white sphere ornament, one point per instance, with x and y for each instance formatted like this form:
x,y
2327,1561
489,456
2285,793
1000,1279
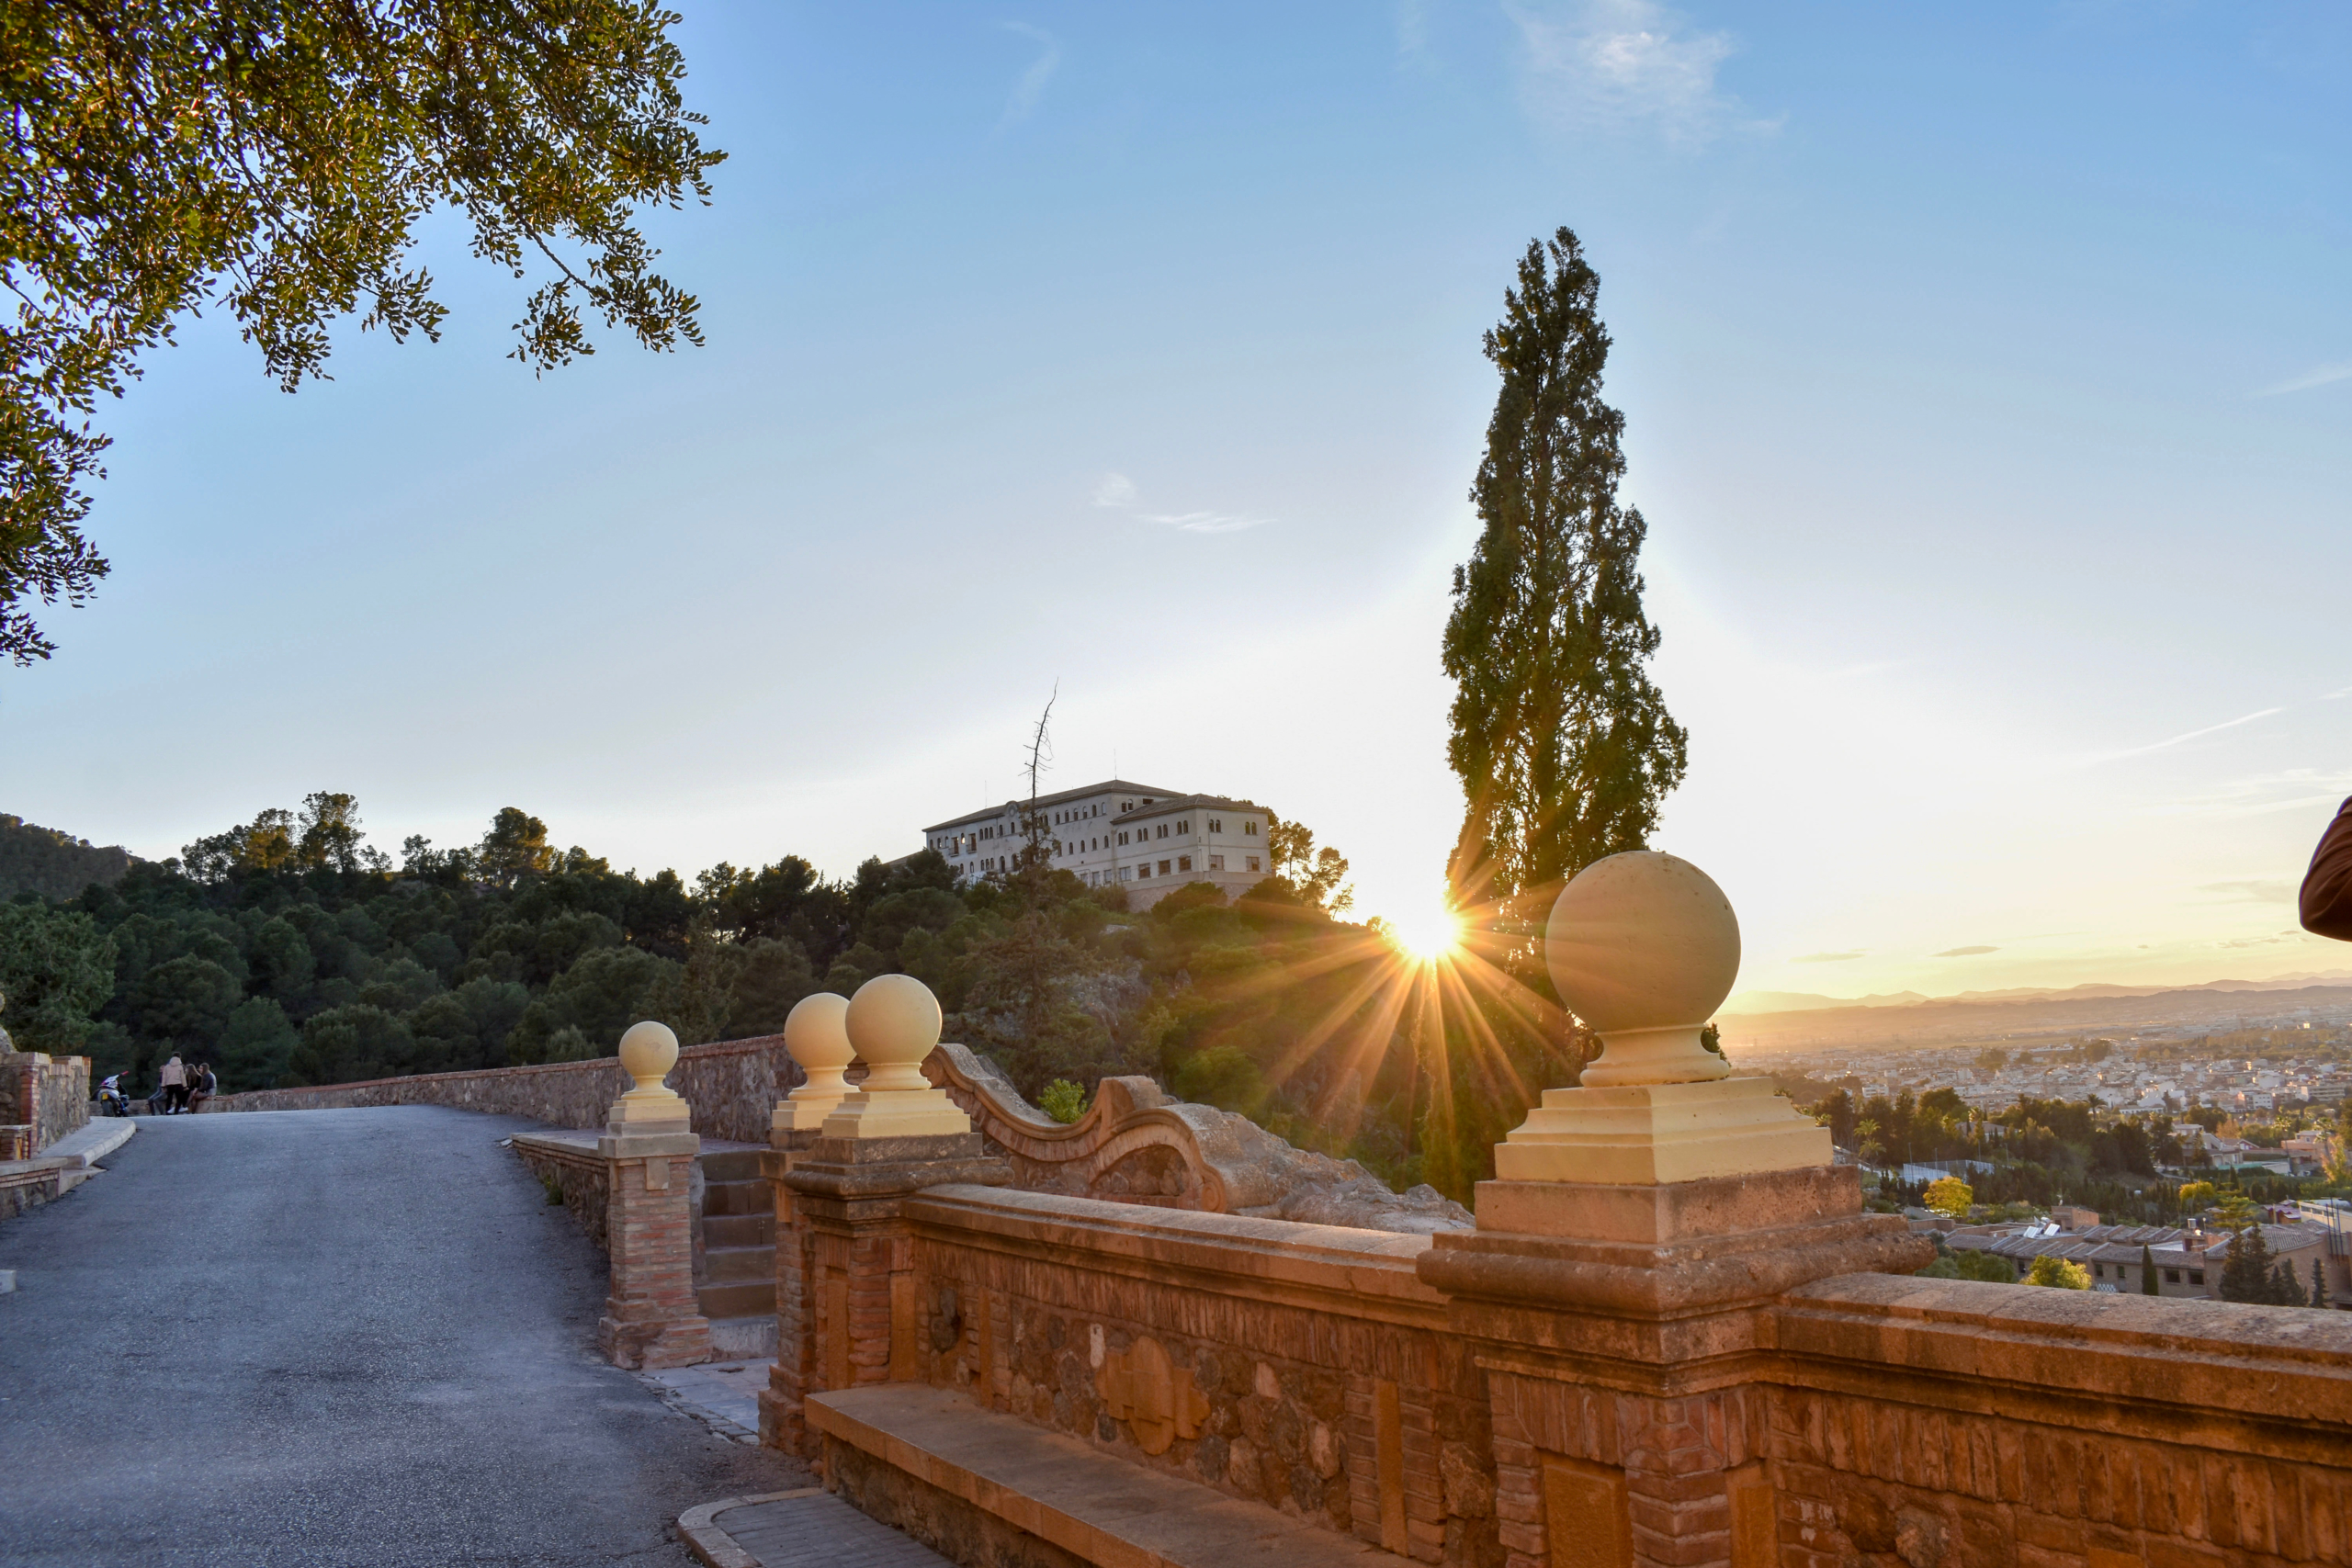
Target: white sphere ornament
x,y
894,1022
648,1053
816,1033
1644,947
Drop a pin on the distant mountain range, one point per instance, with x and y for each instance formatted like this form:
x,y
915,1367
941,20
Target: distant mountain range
x,y
1790,1020
1750,1003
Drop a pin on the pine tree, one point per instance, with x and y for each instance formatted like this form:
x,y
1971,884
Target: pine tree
x,y
2148,1286
2319,1285
2245,1275
1563,745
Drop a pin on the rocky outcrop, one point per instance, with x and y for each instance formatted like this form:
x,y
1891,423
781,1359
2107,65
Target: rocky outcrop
x,y
1136,1145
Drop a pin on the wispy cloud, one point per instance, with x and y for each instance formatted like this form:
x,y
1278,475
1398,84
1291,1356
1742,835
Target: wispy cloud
x,y
1828,957
2189,734
1119,493
1622,63
2317,376
1964,951
1033,81
2261,941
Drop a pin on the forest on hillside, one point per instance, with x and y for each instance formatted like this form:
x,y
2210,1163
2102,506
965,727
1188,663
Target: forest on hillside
x,y
289,950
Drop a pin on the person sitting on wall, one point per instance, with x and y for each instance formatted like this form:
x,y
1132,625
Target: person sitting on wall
x,y
174,1079
2326,903
204,1086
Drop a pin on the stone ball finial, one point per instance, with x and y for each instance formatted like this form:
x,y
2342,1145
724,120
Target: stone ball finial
x,y
648,1053
815,1032
1644,947
893,1021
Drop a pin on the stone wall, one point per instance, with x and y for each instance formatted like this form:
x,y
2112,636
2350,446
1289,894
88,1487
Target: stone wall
x,y
733,1087
1878,1420
45,1097
1302,1366
578,1177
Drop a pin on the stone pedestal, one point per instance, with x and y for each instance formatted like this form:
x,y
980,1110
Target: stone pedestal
x,y
854,1316
1630,1250
652,1318
781,1426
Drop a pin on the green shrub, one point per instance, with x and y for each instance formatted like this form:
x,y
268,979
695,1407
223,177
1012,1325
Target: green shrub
x,y
1063,1100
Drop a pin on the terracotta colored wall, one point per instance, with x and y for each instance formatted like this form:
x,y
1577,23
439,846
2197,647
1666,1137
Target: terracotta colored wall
x,y
1888,1421
48,1094
1307,1343
731,1086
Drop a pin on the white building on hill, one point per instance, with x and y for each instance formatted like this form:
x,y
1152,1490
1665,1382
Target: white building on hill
x,y
1146,840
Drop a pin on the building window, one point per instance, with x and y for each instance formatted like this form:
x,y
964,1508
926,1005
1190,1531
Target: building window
x,y
1248,828
1216,826
2172,1276
2197,1275
1253,862
1217,862
1183,862
1185,826
1163,868
1163,830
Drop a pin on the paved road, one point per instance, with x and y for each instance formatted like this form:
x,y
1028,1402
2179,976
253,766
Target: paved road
x,y
330,1338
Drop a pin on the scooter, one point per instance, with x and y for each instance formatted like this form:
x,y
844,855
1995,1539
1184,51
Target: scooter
x,y
111,1101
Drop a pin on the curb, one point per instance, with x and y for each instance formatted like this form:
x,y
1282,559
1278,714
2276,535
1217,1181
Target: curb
x,y
713,1547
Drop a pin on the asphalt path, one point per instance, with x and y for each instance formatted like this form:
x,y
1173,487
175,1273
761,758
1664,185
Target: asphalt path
x,y
330,1338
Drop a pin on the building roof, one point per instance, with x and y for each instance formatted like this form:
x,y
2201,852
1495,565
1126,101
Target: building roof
x,y
2122,1243
1186,802
1045,802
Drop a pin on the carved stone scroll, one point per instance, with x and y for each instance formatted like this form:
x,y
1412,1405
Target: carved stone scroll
x,y
1136,1145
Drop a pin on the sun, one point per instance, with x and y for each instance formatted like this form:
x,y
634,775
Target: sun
x,y
1428,936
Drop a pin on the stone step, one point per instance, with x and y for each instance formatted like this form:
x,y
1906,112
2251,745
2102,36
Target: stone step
x,y
737,1198
741,1298
739,1230
744,1337
942,1468
731,1165
726,1265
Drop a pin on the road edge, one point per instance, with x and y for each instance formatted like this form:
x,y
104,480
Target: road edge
x,y
713,1547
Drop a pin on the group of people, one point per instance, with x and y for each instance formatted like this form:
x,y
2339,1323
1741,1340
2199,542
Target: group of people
x,y
184,1088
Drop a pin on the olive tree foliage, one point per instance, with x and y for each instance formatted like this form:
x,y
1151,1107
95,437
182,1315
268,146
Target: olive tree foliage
x,y
272,159
1563,744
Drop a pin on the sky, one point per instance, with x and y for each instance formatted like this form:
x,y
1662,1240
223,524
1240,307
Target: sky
x,y
1987,375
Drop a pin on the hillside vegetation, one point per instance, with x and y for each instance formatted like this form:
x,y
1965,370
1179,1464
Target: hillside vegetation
x,y
56,865
286,950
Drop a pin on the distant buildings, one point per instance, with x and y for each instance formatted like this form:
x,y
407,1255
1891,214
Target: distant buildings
x,y
1119,834
2187,1262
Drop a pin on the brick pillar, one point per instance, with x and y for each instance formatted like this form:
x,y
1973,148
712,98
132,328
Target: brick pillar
x,y
852,1317
796,1345
652,1318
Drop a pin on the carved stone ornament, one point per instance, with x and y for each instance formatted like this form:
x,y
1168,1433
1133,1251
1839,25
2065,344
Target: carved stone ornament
x,y
1154,1397
1137,1144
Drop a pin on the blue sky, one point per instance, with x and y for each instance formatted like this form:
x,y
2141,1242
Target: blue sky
x,y
1987,378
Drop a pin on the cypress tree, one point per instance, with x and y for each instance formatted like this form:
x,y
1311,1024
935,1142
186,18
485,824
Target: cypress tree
x,y
2319,1285
2148,1272
1563,745
2286,1291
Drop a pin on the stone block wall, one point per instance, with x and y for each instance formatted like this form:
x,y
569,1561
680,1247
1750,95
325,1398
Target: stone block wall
x,y
581,1177
42,1098
1871,1421
1303,1366
732,1087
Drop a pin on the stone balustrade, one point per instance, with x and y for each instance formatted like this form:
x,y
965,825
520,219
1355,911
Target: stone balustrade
x,y
1673,1338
